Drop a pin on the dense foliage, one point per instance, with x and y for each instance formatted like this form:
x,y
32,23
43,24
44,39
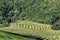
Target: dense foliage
x,y
8,11
42,11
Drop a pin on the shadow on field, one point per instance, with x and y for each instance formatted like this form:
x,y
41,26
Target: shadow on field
x,y
33,37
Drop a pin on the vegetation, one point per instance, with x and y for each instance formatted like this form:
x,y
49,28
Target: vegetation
x,y
8,36
39,11
32,29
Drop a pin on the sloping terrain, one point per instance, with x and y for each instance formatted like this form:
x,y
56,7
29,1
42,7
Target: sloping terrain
x,y
43,19
33,29
5,36
41,11
9,36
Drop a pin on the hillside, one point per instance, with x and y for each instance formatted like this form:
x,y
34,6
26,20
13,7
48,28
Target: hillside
x,y
37,18
32,29
41,11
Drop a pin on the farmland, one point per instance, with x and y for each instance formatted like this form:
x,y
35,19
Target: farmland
x,y
33,29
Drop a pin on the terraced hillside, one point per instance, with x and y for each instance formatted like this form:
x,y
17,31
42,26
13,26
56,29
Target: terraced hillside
x,y
33,29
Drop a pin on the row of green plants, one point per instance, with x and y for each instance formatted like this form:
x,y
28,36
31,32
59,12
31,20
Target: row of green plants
x,y
9,36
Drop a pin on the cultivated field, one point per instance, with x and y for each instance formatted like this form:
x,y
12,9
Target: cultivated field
x,y
33,29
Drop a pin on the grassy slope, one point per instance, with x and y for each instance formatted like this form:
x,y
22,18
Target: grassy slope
x,y
7,36
33,29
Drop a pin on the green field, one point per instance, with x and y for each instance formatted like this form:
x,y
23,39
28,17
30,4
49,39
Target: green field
x,y
8,36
